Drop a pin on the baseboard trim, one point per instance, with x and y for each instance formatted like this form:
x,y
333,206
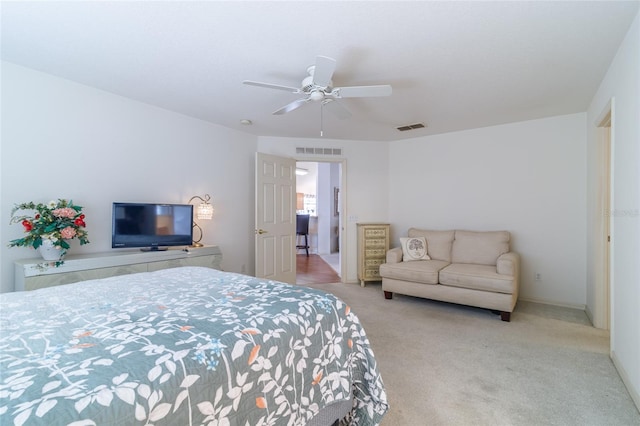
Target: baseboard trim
x,y
552,303
635,396
589,314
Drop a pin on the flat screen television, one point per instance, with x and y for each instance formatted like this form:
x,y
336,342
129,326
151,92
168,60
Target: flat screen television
x,y
151,226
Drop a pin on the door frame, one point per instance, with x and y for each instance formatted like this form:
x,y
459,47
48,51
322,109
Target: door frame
x,y
604,280
342,241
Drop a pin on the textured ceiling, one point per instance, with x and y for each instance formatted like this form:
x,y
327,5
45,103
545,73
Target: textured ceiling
x,y
452,65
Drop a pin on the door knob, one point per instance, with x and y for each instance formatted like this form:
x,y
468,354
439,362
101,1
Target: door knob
x,y
261,231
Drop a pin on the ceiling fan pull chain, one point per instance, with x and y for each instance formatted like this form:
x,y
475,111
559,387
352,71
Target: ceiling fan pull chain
x,y
321,118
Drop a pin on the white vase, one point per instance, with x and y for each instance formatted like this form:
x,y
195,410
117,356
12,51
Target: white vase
x,y
48,251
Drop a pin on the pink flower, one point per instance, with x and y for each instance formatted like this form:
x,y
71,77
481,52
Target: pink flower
x,y
64,212
68,233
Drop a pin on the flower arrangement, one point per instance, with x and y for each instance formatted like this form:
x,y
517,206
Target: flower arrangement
x,y
56,221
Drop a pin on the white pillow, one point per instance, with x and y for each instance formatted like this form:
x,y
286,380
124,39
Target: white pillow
x,y
414,248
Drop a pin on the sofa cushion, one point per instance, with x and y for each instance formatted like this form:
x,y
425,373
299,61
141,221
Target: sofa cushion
x,y
477,277
414,248
438,242
481,248
422,271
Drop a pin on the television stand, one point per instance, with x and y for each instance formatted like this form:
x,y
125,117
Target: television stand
x,y
31,274
154,249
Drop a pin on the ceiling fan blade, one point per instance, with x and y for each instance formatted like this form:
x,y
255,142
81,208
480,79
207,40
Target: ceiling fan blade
x,y
361,91
323,71
291,106
336,108
271,86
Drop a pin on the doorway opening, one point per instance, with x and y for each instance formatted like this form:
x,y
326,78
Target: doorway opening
x,y
319,194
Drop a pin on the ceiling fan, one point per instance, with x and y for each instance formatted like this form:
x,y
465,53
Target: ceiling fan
x,y
318,87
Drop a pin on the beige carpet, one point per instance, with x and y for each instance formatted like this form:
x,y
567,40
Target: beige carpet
x,y
444,364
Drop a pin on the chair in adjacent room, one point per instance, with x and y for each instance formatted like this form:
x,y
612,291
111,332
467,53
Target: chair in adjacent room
x,y
302,229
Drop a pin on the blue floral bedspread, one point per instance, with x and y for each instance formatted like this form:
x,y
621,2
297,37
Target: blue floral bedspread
x,y
183,346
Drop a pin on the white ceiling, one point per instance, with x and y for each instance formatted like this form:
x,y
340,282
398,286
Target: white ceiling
x,y
453,65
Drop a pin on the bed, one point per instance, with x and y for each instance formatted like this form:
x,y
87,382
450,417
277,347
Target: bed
x,y
185,346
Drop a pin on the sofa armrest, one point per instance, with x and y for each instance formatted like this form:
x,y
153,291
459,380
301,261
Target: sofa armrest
x,y
508,264
394,255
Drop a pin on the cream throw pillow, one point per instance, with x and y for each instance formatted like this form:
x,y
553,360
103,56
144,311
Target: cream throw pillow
x,y
414,248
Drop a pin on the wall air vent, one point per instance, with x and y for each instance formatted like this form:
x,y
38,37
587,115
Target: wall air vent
x,y
318,151
411,127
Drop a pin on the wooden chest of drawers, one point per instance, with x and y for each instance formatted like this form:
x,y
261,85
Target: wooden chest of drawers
x,y
373,243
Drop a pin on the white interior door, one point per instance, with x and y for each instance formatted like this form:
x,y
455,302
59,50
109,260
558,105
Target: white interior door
x,y
275,218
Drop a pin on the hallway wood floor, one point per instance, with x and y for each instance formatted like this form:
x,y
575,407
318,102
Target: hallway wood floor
x,y
314,270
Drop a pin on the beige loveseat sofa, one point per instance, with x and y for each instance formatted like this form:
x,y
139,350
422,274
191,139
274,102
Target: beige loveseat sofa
x,y
464,267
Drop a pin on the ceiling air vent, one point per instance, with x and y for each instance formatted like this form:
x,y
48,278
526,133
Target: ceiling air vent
x,y
411,127
318,151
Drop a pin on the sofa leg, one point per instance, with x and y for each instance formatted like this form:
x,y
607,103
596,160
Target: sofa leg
x,y
388,295
505,316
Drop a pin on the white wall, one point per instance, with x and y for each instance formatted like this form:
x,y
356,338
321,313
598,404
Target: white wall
x,y
334,222
366,191
622,84
328,179
65,140
527,178
307,184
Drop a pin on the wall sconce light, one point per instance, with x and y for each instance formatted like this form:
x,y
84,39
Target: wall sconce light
x,y
301,172
204,211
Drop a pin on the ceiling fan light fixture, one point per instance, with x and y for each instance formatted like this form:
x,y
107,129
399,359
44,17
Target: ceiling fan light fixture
x,y
316,95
